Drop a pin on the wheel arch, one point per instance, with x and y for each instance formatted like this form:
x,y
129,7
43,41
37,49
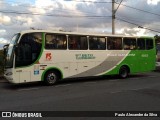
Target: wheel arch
x,y
127,66
60,73
124,71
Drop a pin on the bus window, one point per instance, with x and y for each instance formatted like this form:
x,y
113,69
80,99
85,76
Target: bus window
x,y
149,44
141,44
54,41
77,42
129,43
29,49
114,43
97,43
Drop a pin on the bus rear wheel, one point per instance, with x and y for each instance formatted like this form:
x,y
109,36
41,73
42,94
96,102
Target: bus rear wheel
x,y
123,72
51,77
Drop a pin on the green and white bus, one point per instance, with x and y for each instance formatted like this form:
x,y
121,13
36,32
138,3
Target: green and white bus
x,y
49,56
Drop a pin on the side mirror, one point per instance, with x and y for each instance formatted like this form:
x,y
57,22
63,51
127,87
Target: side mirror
x,y
5,48
4,51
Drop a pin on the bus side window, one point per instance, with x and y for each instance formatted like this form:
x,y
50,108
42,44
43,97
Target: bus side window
x,y
72,43
92,43
83,43
50,41
141,44
56,41
97,43
114,43
61,42
129,43
77,42
149,44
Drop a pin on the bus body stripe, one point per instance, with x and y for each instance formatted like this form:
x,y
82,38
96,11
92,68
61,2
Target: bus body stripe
x,y
107,65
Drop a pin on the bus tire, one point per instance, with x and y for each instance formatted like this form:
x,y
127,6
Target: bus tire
x,y
51,77
124,72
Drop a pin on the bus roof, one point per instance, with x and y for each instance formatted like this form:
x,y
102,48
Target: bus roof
x,y
85,34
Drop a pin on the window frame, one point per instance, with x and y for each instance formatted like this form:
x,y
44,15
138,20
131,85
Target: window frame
x,y
130,46
149,39
143,44
109,44
97,37
76,42
56,48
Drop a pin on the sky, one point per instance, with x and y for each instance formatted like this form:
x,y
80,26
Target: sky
x,y
89,16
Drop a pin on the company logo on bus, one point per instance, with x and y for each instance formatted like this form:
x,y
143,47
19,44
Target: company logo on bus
x,y
48,56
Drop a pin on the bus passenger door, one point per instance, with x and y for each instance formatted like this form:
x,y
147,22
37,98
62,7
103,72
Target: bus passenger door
x,y
22,61
27,53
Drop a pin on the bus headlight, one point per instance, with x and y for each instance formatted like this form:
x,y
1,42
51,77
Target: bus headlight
x,y
9,73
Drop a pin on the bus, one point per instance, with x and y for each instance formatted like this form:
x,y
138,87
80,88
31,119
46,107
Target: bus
x,y
50,56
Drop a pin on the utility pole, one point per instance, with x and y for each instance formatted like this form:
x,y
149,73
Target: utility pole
x,y
113,17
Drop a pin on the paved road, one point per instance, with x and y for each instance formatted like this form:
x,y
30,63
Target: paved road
x,y
137,93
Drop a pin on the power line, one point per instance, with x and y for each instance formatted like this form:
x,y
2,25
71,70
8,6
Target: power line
x,y
113,15
100,2
128,22
83,1
89,16
55,15
139,26
118,6
134,19
91,1
139,9
58,9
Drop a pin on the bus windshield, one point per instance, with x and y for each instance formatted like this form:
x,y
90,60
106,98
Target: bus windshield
x,y
10,55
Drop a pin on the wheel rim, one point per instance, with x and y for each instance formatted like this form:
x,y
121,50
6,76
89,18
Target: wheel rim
x,y
51,78
123,72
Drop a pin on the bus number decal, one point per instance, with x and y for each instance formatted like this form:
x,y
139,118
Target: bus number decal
x,y
144,55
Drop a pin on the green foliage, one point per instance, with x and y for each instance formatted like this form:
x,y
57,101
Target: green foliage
x,y
157,38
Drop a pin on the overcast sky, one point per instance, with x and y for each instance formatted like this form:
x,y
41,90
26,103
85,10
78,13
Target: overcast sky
x,y
79,15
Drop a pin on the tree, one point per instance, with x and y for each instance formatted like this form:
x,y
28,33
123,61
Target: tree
x,y
157,38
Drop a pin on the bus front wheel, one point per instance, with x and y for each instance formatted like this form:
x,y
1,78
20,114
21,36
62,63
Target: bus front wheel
x,y
123,72
51,77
